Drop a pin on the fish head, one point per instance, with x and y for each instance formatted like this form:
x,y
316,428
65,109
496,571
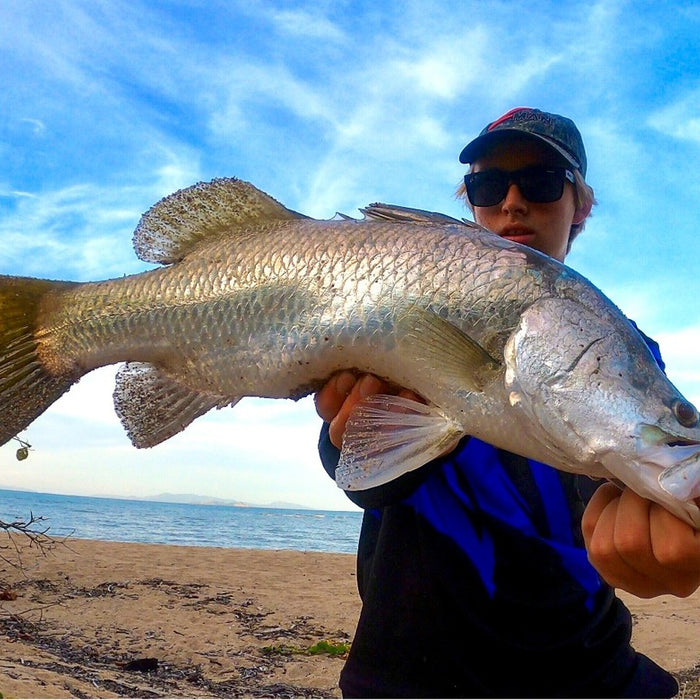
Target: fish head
x,y
599,404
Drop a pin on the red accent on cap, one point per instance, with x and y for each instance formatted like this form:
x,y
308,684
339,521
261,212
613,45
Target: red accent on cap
x,y
507,116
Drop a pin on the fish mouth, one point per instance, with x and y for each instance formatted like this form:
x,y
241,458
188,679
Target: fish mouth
x,y
682,443
681,478
675,458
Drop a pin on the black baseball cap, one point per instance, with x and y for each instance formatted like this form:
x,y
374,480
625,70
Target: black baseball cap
x,y
556,131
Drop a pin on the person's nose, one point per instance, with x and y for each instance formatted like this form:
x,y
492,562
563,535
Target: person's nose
x,y
514,200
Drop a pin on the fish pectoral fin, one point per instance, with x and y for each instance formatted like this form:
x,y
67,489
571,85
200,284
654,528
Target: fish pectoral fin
x,y
387,436
444,352
171,228
153,407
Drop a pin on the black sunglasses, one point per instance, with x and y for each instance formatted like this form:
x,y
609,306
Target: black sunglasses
x,y
536,183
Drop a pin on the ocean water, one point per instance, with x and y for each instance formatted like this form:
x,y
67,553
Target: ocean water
x,y
124,520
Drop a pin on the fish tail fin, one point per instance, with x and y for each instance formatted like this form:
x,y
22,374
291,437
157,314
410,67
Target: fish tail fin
x,y
27,385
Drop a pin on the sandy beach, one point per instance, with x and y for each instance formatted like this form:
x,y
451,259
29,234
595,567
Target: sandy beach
x,y
220,622
105,619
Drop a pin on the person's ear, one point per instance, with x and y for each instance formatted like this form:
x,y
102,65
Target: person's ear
x,y
582,212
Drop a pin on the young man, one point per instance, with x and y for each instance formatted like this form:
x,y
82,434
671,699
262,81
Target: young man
x,y
474,570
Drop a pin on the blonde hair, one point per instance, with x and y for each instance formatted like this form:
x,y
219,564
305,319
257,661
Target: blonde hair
x,y
584,198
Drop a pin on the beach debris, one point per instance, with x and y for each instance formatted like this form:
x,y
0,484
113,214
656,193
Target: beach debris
x,y
20,536
327,647
16,627
23,450
254,299
105,589
8,594
145,665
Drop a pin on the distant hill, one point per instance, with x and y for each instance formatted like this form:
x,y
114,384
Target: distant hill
x,y
197,500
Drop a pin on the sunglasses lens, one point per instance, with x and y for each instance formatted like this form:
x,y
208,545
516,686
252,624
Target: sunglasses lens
x,y
539,185
486,188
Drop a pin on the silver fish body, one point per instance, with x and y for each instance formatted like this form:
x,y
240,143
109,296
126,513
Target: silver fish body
x,y
504,343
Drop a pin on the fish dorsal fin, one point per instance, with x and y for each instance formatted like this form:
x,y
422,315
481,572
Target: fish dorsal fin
x,y
174,226
393,212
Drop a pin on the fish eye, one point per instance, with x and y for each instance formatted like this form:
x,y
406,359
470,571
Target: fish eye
x,y
685,412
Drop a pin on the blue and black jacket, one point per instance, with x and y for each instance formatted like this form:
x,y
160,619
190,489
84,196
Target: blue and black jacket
x,y
475,582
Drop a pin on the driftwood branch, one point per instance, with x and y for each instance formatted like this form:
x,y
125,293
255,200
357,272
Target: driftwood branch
x,y
32,533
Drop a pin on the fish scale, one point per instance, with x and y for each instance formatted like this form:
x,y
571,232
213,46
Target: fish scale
x,y
253,299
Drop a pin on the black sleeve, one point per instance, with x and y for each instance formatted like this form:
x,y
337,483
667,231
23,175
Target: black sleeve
x,y
330,454
380,496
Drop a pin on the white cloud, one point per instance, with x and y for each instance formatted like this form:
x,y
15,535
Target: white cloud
x,y
307,25
680,349
258,448
83,232
38,127
235,85
441,67
680,119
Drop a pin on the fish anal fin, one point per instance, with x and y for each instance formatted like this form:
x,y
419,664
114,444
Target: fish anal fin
x,y
387,436
153,407
174,226
445,351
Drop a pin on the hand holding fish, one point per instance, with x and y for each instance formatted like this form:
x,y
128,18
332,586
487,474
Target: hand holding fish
x,y
343,391
638,546
634,543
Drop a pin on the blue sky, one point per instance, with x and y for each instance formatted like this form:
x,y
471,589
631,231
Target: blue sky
x,y
105,107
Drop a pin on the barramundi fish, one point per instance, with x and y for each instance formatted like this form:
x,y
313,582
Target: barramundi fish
x,y
254,299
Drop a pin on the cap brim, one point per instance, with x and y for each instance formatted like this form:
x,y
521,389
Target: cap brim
x,y
476,148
